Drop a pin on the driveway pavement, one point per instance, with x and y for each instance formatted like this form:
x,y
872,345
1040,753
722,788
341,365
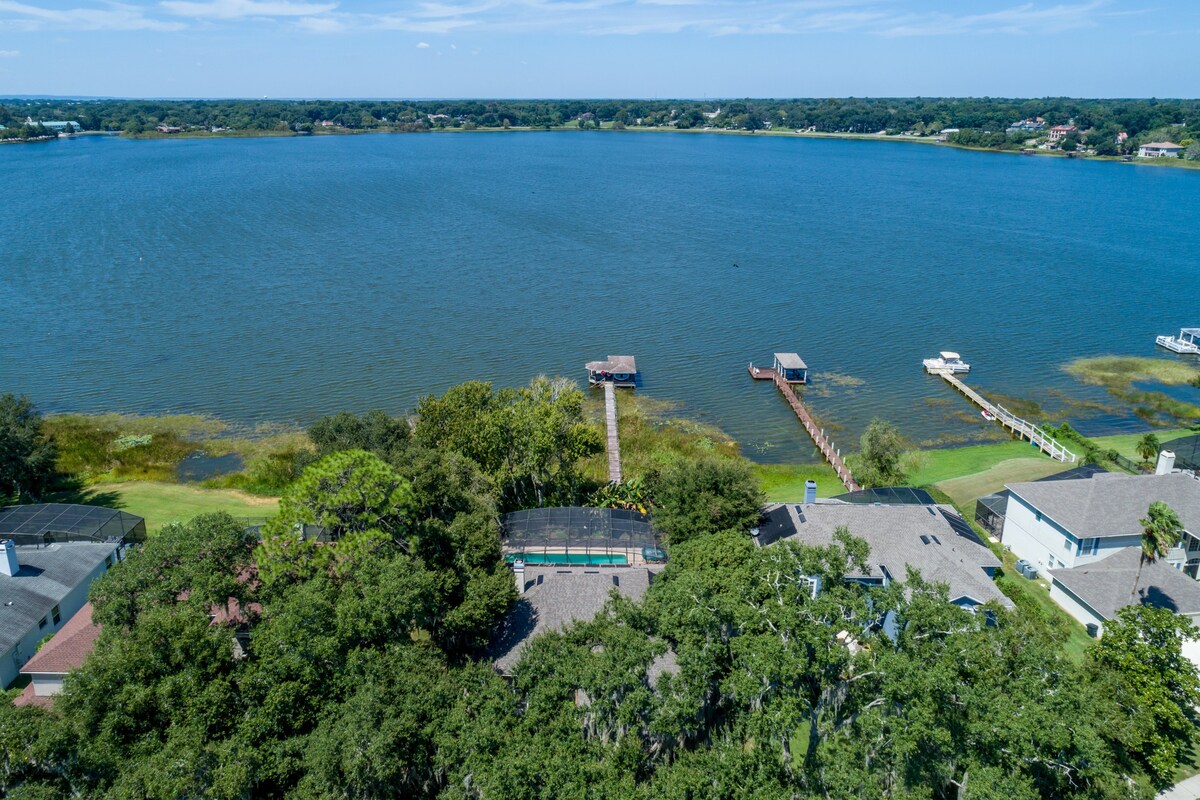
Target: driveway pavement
x,y
1188,790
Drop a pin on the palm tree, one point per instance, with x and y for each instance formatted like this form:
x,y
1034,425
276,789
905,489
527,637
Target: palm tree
x,y
1160,532
1147,447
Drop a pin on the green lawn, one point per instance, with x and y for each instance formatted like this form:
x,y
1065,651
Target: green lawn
x,y
1126,442
955,462
784,483
161,503
965,490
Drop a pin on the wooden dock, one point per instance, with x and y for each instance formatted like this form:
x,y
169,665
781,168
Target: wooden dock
x,y
826,448
614,444
1021,428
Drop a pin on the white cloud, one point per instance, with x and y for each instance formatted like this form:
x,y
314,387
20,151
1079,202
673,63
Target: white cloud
x,y
321,24
9,53
110,17
422,45
1023,19
724,17
580,17
237,9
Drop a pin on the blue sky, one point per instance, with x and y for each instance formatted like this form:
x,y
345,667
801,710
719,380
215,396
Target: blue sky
x,y
599,48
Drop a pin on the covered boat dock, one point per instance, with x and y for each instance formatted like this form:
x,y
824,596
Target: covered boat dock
x,y
617,370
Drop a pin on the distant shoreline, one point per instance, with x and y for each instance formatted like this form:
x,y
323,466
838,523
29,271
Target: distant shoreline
x,y
785,133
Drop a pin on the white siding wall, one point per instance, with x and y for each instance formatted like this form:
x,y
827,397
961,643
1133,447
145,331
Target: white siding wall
x,y
1069,603
1192,649
1039,542
14,659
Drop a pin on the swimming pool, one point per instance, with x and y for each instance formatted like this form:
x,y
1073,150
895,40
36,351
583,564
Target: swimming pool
x,y
570,559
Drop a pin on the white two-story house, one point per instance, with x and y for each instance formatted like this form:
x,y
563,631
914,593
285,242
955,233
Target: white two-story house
x,y
1067,524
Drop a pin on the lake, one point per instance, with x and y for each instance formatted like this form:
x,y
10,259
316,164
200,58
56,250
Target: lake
x,y
279,279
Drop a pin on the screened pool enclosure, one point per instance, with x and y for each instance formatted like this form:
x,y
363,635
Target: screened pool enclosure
x,y
575,535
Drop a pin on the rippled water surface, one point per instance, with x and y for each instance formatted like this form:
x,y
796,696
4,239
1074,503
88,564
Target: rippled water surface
x,y
280,279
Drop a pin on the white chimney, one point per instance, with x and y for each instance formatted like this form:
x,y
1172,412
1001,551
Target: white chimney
x,y
519,574
8,563
1166,462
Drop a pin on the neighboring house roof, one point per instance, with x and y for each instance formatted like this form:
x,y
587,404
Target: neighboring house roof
x,y
1112,505
1163,145
932,539
67,649
555,597
1106,585
47,575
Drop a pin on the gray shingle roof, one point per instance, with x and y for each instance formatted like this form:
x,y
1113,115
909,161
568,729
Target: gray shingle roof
x,y
934,540
1112,505
556,596
47,576
1106,585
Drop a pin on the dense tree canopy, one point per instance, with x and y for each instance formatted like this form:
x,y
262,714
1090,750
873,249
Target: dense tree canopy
x,y
26,454
357,667
703,496
733,678
528,441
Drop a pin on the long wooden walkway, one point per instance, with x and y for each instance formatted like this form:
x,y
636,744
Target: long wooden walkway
x,y
1021,428
614,444
828,451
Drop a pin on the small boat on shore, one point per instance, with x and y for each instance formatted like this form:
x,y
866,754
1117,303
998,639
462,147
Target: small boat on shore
x,y
946,362
1188,341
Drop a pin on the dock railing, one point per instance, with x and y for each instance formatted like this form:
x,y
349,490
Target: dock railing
x,y
1033,433
1023,428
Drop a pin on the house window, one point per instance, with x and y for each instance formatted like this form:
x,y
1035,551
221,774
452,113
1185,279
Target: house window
x,y
1089,547
42,623
808,586
1193,544
54,613
107,561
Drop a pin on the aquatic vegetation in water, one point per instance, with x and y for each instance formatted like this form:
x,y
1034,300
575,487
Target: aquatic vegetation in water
x,y
1119,374
1021,406
1124,371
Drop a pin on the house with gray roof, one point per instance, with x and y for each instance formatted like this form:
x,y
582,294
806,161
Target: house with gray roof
x,y
1094,592
41,588
554,597
49,555
1060,525
932,539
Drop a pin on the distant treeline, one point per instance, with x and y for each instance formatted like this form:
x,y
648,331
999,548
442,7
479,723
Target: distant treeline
x,y
989,117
